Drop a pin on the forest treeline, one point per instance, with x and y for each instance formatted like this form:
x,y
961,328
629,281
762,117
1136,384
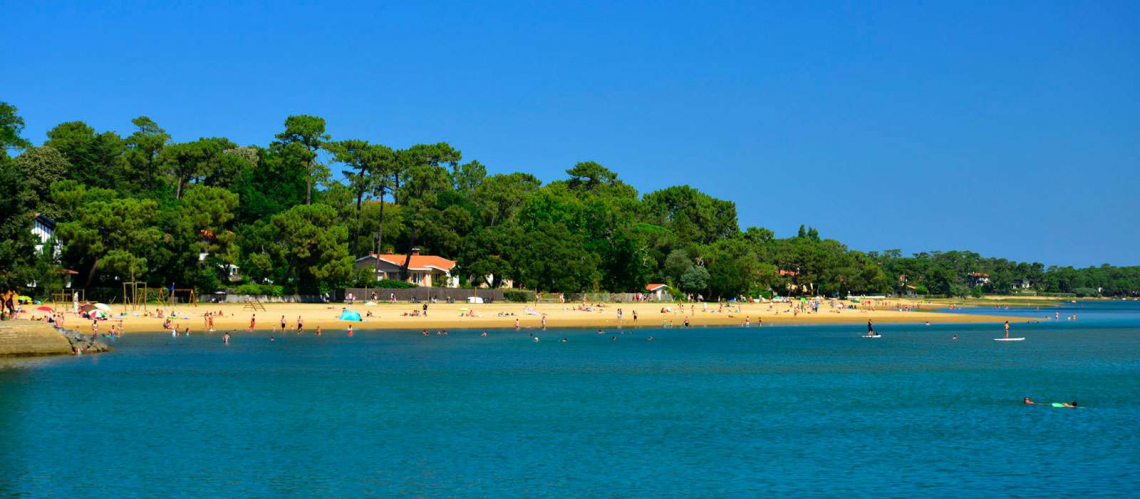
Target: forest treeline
x,y
142,207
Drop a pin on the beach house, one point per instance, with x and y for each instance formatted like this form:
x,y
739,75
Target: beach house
x,y
423,270
656,291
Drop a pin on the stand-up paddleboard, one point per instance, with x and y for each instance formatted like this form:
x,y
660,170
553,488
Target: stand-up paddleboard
x,y
1009,339
873,337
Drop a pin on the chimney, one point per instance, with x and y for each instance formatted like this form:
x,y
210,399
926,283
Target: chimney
x,y
415,252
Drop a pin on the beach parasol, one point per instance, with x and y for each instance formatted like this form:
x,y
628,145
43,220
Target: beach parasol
x,y
44,308
23,299
350,315
98,313
103,306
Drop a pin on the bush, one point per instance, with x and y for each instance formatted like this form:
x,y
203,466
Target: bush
x,y
1085,292
920,289
519,296
391,283
259,290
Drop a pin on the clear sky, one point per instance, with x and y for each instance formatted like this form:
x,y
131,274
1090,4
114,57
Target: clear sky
x,y
1010,129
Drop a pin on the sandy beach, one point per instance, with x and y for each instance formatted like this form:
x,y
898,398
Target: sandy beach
x,y
237,317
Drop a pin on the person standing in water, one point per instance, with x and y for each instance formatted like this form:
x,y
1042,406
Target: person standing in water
x,y
349,331
226,338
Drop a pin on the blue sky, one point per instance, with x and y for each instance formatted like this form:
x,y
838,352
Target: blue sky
x,y
1010,129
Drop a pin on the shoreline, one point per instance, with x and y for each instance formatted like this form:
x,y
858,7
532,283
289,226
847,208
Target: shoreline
x,y
386,316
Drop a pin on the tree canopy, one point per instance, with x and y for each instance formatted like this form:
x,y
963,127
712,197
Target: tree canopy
x,y
298,210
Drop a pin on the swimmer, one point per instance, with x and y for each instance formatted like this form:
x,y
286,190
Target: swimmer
x,y
613,338
1027,401
318,330
650,339
600,331
955,337
425,332
927,323
349,334
484,334
272,338
226,338
564,340
536,339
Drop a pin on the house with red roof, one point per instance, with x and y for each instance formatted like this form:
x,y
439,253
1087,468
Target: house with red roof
x,y
657,291
423,270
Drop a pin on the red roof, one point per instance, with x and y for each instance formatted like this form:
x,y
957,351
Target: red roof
x,y
654,287
419,262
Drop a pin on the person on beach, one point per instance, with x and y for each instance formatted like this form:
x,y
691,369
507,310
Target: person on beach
x,y
283,324
425,309
252,322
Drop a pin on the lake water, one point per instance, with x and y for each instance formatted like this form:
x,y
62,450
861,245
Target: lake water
x,y
717,412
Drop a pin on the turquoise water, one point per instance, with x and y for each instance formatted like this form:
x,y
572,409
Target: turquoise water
x,y
717,412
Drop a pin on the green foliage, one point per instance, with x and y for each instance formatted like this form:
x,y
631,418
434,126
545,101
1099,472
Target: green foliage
x,y
1086,292
189,213
695,280
11,128
518,295
391,283
16,241
259,290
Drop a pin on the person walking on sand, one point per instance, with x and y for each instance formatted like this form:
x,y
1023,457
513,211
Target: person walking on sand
x,y
283,323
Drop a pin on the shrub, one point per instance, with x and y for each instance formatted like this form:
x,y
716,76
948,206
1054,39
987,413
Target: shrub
x,y
391,283
1085,292
517,295
259,289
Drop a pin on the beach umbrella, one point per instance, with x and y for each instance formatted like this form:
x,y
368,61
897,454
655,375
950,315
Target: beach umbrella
x,y
103,306
98,313
23,299
44,309
350,315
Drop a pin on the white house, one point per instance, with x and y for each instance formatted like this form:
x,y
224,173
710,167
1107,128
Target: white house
x,y
44,230
657,291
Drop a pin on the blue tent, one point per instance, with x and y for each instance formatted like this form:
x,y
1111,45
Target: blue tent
x,y
350,315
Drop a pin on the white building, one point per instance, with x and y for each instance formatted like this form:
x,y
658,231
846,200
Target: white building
x,y
44,230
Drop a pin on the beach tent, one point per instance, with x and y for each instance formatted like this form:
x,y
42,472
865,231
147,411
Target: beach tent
x,y
350,315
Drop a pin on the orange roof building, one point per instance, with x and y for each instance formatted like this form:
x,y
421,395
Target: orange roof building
x,y
423,270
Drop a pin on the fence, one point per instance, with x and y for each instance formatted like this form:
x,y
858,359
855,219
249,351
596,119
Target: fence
x,y
424,294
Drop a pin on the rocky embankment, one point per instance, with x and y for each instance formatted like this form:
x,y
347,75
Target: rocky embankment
x,y
85,343
30,338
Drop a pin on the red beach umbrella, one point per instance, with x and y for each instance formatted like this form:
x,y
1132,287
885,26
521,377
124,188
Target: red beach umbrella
x,y
44,308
